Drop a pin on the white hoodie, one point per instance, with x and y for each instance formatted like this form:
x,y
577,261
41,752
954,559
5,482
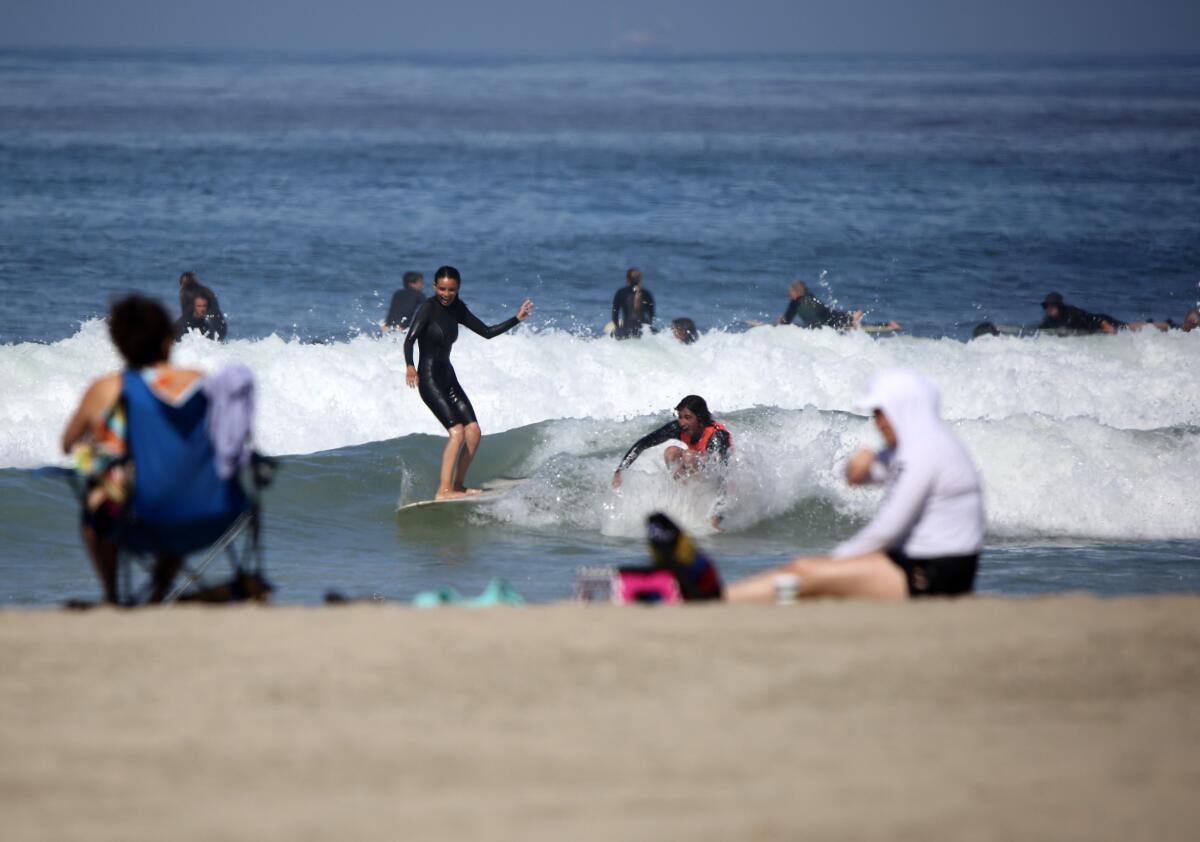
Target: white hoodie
x,y
934,505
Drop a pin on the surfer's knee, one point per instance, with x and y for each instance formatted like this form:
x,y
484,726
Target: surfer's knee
x,y
673,454
456,432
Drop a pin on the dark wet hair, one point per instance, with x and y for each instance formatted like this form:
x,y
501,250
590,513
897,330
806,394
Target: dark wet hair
x,y
411,278
140,328
634,277
444,272
188,278
984,329
688,328
698,407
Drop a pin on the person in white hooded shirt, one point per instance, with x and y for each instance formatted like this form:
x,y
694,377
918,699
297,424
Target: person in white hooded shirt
x,y
926,537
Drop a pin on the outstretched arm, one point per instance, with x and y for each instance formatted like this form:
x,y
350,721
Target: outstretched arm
x,y
473,323
667,432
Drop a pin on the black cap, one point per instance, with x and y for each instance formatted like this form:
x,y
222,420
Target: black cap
x,y
1053,299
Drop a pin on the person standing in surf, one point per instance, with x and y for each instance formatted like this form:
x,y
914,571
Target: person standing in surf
x,y
633,306
434,329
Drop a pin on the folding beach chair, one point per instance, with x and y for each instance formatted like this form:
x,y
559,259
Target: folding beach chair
x,y
179,505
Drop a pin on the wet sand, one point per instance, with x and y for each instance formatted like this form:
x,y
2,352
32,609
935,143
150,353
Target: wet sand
x,y
1054,718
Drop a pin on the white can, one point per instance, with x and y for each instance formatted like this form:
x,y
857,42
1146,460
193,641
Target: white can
x,y
787,587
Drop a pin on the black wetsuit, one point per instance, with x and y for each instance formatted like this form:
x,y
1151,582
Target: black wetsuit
x,y
625,316
813,313
719,444
211,326
1080,321
404,305
434,329
214,321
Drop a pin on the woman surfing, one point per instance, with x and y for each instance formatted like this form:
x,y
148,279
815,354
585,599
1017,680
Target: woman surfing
x,y
434,330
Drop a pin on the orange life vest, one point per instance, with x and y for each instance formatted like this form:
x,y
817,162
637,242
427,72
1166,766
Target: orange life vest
x,y
702,442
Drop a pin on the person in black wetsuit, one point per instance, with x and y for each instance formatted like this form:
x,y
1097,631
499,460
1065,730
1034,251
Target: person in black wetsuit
x,y
814,313
214,320
633,306
405,302
1064,317
434,330
201,319
695,427
707,441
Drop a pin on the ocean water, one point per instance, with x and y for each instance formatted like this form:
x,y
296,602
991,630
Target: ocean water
x,y
937,191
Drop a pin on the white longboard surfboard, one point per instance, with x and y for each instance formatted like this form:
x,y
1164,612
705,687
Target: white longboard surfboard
x,y
492,490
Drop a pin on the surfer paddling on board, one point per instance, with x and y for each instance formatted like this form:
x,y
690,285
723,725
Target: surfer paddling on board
x,y
707,444
813,313
434,329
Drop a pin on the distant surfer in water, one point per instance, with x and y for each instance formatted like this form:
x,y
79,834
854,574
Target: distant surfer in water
x,y
405,302
926,537
814,313
434,329
1060,316
633,306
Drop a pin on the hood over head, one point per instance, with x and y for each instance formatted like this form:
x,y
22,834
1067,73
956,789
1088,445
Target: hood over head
x,y
910,401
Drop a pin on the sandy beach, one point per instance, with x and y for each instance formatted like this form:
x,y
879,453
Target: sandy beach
x,y
1054,718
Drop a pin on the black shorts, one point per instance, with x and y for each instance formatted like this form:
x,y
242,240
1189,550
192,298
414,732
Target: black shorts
x,y
446,399
946,576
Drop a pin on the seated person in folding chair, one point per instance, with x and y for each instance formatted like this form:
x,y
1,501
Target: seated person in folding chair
x,y
184,495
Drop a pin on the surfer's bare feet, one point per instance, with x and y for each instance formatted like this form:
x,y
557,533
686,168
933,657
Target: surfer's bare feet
x,y
449,494
463,491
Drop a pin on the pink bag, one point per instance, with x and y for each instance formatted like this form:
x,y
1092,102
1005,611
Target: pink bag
x,y
645,585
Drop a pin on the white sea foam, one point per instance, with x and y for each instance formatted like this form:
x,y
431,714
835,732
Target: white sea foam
x,y
1043,477
1091,437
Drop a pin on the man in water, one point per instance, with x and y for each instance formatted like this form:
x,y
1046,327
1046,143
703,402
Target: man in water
x,y
814,313
1063,317
685,331
405,302
633,306
189,288
705,438
210,325
707,445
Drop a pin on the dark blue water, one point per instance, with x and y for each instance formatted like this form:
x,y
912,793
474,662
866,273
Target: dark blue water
x,y
939,192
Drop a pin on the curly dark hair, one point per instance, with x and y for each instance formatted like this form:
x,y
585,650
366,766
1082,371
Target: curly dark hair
x,y
140,328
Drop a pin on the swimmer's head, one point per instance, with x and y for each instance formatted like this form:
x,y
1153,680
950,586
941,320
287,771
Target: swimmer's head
x,y
685,331
141,330
200,306
984,329
1192,320
798,289
446,282
188,278
1052,304
634,277
414,280
693,414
